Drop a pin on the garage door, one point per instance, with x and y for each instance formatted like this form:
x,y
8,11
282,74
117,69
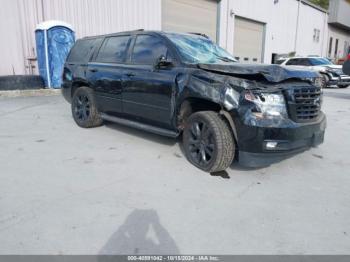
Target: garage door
x,y
248,41
198,16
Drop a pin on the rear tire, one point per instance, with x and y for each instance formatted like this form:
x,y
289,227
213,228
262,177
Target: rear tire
x,y
84,109
208,141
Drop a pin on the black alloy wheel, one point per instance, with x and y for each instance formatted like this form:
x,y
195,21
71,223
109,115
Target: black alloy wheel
x,y
201,144
208,141
84,108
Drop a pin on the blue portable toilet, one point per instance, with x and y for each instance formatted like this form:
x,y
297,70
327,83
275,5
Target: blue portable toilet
x,y
54,39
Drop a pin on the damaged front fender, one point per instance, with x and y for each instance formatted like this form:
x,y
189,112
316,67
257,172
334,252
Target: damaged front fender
x,y
223,90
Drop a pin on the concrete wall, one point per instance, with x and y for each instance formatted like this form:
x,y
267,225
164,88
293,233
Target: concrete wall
x,y
88,17
285,30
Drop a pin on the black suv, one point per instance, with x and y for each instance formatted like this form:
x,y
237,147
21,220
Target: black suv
x,y
184,84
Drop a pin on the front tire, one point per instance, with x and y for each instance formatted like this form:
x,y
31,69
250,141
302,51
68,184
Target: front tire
x,y
342,86
324,81
208,141
84,109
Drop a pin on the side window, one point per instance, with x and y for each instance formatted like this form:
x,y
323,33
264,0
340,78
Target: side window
x,y
113,49
81,50
291,62
305,62
147,49
295,62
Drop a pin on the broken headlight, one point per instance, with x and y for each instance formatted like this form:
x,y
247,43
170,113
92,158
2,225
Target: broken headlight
x,y
316,81
267,105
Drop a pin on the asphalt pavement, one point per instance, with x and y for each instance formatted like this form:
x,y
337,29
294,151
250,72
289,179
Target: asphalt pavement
x,y
116,190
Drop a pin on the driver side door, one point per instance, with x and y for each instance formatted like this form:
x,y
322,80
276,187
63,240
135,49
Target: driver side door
x,y
147,90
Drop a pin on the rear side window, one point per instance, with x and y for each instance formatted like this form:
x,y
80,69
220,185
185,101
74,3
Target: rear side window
x,y
113,49
294,62
148,49
81,51
280,61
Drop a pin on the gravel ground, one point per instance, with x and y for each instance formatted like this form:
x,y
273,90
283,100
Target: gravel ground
x,y
115,190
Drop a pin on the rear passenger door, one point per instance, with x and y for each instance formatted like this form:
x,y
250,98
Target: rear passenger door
x,y
147,94
106,72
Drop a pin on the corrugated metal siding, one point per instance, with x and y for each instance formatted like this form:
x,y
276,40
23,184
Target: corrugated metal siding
x,y
94,17
11,44
30,14
88,17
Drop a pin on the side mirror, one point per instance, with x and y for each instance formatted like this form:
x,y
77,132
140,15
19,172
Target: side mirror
x,y
346,67
162,62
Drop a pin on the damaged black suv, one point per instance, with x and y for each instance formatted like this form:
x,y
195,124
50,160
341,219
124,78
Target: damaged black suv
x,y
183,84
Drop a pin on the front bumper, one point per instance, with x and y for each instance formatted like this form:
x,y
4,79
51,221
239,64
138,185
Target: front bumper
x,y
252,141
339,80
344,81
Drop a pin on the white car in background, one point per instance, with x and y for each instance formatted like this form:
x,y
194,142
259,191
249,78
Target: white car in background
x,y
333,75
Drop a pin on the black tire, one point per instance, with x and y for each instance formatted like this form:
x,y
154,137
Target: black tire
x,y
84,109
21,82
213,148
324,81
342,86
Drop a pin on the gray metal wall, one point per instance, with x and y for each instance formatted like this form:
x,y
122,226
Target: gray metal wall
x,y
339,13
18,19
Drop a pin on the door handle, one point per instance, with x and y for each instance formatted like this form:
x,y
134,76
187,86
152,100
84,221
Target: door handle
x,y
93,70
129,74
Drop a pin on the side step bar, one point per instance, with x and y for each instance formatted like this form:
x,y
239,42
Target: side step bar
x,y
134,124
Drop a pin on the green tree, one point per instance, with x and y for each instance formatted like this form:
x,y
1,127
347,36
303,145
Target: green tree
x,y
322,3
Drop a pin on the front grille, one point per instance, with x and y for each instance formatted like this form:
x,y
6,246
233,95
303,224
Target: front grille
x,y
305,104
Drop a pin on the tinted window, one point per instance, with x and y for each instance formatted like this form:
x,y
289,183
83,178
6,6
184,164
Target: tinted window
x,y
305,62
81,50
280,61
330,46
320,61
336,47
291,62
148,49
297,61
113,49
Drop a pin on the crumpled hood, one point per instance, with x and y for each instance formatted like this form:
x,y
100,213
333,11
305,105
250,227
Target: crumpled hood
x,y
272,73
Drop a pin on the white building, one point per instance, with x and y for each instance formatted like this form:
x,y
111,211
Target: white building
x,y
339,29
253,30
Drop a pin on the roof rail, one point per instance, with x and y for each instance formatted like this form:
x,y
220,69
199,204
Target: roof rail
x,y
201,34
